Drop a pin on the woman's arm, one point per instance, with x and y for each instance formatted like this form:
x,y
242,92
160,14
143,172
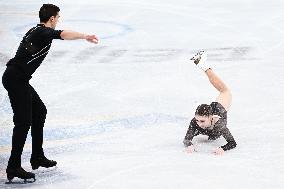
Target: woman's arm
x,y
231,143
191,132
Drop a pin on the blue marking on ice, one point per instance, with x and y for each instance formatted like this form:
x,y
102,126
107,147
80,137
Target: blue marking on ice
x,y
104,126
125,29
5,106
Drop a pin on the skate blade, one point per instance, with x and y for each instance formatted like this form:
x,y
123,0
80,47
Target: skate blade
x,y
32,180
197,55
45,169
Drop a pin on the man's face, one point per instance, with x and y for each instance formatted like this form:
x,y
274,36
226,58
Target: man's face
x,y
54,20
203,121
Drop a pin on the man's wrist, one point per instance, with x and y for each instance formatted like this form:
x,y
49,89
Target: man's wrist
x,y
84,36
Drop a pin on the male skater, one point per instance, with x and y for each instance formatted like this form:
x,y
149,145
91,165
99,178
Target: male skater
x,y
29,110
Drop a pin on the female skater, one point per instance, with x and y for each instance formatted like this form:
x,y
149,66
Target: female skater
x,y
211,120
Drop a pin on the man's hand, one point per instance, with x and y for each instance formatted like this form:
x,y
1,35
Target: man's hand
x,y
190,149
73,35
92,39
218,151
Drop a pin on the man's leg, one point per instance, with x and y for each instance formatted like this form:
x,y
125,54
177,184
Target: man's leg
x,y
21,104
38,119
20,98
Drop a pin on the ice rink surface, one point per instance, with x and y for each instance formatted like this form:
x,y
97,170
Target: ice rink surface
x,y
118,111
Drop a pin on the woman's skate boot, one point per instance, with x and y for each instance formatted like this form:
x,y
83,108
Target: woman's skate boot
x,y
200,59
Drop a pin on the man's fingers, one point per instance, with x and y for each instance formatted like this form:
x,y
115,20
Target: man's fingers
x,y
95,37
92,38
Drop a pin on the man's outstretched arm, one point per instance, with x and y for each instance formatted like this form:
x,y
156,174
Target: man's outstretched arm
x,y
72,35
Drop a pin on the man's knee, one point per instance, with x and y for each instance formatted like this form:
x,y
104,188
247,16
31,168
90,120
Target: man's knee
x,y
43,114
22,119
40,115
21,128
43,111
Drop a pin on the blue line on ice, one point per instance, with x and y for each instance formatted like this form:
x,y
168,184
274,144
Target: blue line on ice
x,y
124,28
101,127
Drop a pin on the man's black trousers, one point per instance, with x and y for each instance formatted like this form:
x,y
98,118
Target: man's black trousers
x,y
29,111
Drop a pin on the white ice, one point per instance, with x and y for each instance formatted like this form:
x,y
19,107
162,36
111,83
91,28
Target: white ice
x,y
118,111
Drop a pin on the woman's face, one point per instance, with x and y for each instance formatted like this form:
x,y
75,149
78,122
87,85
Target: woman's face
x,y
203,121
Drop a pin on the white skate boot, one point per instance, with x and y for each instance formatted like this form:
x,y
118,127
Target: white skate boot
x,y
200,59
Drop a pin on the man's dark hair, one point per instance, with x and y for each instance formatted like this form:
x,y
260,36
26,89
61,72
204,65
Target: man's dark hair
x,y
47,11
204,110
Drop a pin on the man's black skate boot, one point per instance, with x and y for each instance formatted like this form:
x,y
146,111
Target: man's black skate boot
x,y
42,162
20,173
